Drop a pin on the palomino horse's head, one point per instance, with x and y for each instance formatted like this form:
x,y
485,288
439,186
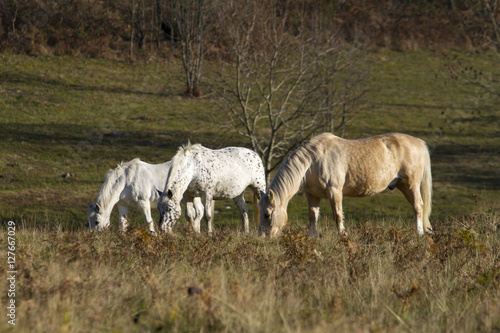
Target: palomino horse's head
x,y
170,211
96,220
273,216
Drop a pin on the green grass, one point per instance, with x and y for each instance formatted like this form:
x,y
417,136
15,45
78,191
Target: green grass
x,y
83,116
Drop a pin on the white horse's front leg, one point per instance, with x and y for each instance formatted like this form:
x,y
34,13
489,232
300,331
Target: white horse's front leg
x,y
208,213
313,203
145,207
123,211
242,207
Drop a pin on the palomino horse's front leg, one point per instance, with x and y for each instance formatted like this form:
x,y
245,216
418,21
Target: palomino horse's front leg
x,y
123,211
145,207
335,198
242,206
313,203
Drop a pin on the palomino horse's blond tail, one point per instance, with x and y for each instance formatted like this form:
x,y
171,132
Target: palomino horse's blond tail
x,y
256,209
426,192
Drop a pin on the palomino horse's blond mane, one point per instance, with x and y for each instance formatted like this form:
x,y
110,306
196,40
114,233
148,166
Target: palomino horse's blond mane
x,y
290,176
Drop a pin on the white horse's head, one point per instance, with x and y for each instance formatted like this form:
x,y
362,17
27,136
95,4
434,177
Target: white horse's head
x,y
96,220
273,215
170,211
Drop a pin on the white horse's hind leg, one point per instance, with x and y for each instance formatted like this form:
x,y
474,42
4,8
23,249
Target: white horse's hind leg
x,y
194,213
191,215
242,206
313,203
198,208
123,211
145,207
412,194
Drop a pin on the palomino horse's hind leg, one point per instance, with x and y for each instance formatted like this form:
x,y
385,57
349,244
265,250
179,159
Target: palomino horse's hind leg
x,y
242,206
335,198
313,203
123,211
412,194
145,207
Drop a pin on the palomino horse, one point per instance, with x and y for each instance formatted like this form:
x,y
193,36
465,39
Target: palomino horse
x,y
134,183
210,174
331,167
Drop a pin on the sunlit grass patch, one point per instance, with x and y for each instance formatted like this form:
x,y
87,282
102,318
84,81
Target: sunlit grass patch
x,y
381,277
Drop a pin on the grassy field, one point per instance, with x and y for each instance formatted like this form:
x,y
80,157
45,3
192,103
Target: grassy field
x,y
383,279
65,121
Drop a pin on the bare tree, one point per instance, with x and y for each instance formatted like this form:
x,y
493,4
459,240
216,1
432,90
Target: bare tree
x,y
139,16
492,8
284,80
190,19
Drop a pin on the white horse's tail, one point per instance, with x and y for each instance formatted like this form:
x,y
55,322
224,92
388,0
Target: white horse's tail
x,y
426,192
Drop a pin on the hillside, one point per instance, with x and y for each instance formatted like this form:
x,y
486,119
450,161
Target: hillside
x,y
66,121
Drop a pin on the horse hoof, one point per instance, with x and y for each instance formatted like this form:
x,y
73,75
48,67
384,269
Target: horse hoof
x,y
343,236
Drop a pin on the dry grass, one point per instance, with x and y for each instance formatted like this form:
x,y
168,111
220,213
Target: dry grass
x,y
58,113
381,279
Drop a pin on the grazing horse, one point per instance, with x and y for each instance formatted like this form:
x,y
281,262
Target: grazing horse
x,y
211,175
134,183
331,167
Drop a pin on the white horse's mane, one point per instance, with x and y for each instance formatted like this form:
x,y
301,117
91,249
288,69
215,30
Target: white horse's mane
x,y
290,176
179,157
112,177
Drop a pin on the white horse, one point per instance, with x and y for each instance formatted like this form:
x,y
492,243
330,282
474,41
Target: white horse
x,y
331,167
210,174
134,183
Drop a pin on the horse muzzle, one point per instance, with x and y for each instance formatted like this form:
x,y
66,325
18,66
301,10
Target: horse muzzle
x,y
101,227
165,225
271,232
274,232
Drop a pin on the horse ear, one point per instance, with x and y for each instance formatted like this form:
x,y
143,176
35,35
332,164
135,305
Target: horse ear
x,y
262,194
159,192
272,200
90,205
97,208
170,194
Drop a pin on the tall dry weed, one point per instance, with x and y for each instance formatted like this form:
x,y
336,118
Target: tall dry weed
x,y
379,279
